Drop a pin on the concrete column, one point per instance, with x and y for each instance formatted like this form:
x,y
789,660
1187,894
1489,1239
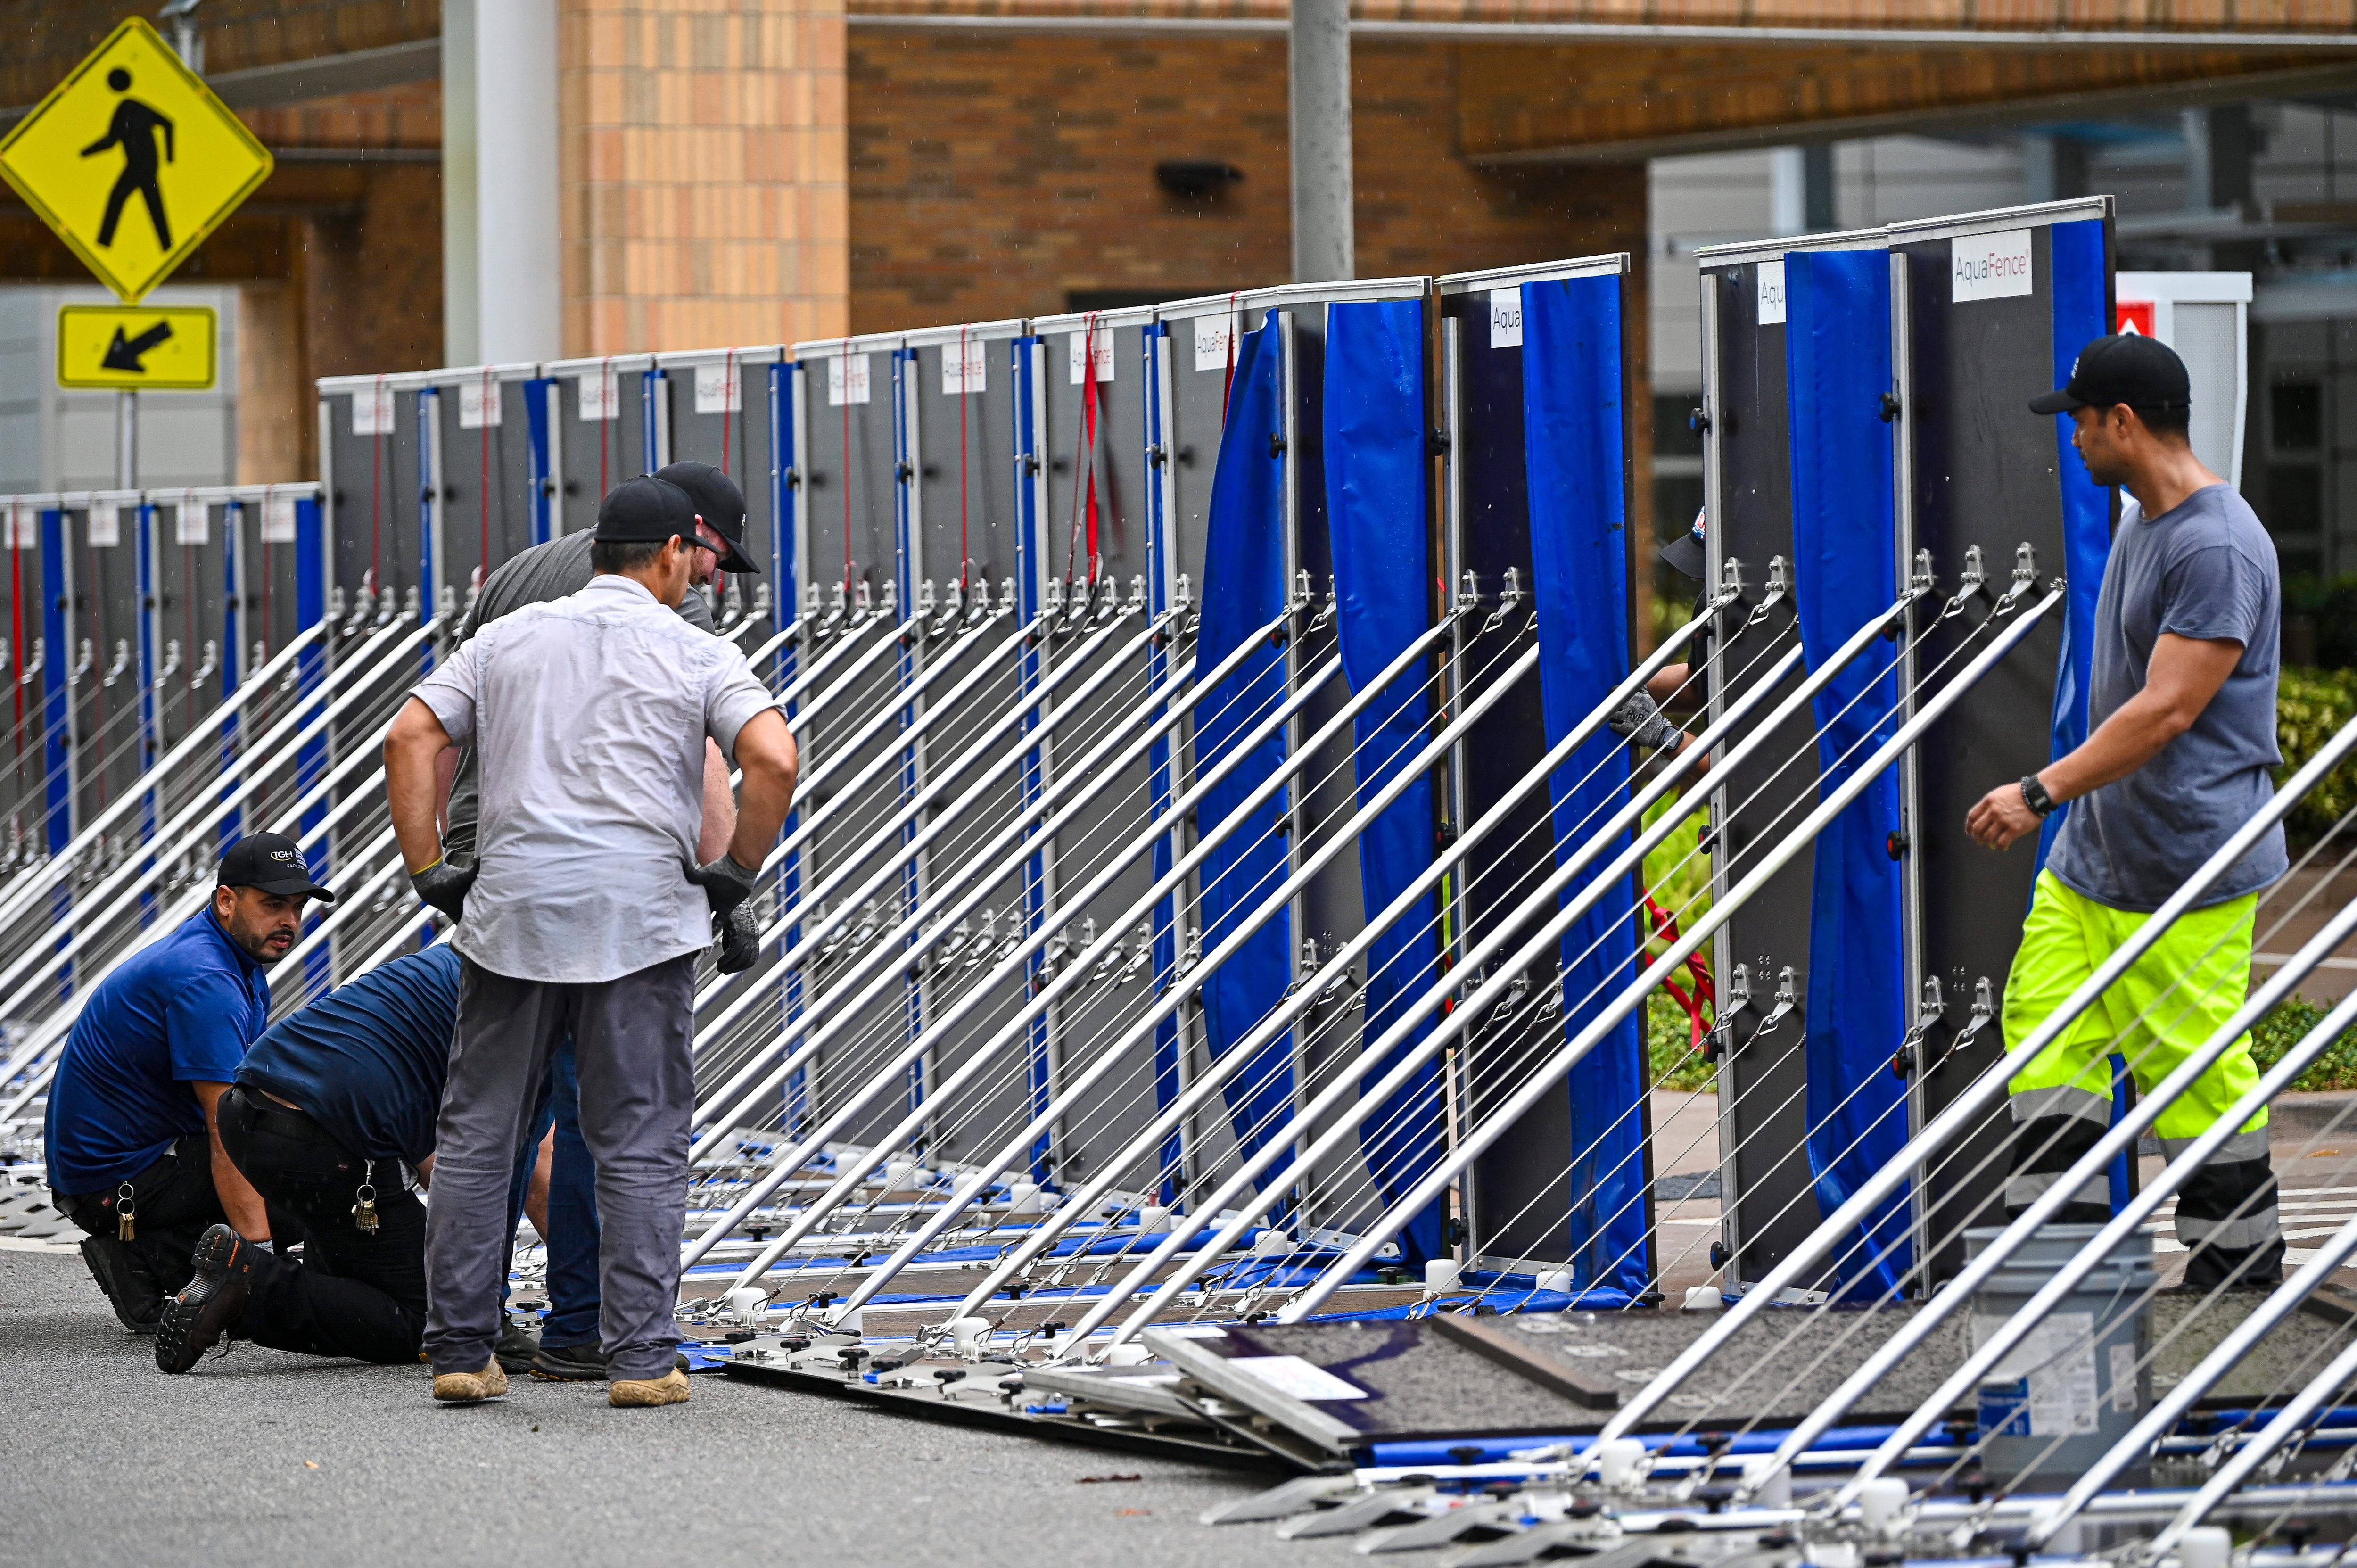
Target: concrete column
x,y
2219,146
516,182
1318,89
704,175
1800,189
461,305
2053,166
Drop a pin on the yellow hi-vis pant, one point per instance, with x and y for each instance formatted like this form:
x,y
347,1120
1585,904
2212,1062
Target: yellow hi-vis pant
x,y
2181,993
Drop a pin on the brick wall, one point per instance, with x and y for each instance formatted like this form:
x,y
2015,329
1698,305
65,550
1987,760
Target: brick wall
x,y
1001,174
701,159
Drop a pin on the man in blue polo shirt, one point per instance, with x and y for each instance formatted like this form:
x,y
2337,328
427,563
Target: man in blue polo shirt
x,y
134,1154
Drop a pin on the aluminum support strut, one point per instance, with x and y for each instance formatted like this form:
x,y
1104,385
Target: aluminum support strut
x,y
1305,995
1968,1106
1082,962
1993,1342
1500,1121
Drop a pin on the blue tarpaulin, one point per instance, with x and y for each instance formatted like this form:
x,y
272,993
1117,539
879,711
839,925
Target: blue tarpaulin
x,y
1243,590
2079,287
1576,456
1375,465
1837,367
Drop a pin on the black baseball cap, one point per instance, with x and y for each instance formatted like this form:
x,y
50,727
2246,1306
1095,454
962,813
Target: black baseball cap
x,y
2142,372
719,502
646,510
272,863
1684,554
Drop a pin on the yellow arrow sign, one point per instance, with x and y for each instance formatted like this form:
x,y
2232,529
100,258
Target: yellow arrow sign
x,y
155,347
133,160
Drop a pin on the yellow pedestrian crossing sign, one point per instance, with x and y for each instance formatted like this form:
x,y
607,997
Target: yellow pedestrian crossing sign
x,y
133,160
131,347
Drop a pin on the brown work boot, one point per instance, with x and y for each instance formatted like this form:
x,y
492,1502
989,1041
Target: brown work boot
x,y
471,1388
628,1394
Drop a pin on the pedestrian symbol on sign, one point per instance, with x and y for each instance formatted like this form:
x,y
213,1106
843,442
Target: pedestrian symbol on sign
x,y
133,160
133,129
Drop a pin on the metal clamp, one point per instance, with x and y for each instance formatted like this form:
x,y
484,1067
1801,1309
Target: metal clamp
x,y
40,657
2025,579
1788,1001
1983,1015
1928,1012
1509,599
1971,583
1732,1007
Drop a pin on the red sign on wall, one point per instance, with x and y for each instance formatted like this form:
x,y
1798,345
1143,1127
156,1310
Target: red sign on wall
x,y
2136,315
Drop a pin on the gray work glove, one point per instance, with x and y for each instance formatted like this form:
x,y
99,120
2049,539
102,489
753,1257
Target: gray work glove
x,y
1639,719
740,938
444,885
725,882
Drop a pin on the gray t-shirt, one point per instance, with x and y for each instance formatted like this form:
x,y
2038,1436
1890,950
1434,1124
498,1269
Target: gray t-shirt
x,y
556,570
2206,571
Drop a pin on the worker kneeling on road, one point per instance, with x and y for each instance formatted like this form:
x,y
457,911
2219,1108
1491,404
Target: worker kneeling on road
x,y
2182,702
328,1107
585,912
135,1155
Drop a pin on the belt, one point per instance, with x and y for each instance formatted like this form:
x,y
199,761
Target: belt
x,y
280,1121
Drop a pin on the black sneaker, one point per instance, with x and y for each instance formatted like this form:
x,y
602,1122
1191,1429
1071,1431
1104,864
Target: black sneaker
x,y
518,1347
195,1320
569,1363
578,1363
131,1288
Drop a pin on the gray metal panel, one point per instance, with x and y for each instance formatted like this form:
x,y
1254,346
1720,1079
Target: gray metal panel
x,y
1767,1194
1985,472
596,454
486,482
1514,1200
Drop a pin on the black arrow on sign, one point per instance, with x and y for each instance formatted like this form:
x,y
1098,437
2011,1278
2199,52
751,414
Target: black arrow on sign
x,y
124,355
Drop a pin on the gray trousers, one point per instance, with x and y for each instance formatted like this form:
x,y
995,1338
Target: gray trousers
x,y
632,1041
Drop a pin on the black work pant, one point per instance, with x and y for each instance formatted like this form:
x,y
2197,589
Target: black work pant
x,y
173,1201
354,1293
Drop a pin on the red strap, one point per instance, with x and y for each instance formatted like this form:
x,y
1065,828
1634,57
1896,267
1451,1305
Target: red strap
x,y
1665,930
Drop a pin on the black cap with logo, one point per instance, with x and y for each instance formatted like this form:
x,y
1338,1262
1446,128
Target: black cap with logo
x,y
646,510
272,863
2142,372
719,502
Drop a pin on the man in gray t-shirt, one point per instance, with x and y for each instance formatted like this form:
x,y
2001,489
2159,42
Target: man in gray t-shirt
x,y
2182,702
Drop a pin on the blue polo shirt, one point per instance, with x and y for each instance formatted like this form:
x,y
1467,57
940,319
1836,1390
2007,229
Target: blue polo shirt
x,y
367,1060
180,1011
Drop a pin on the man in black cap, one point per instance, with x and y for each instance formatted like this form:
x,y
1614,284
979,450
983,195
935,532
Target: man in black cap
x,y
2181,705
584,913
132,1130
567,1346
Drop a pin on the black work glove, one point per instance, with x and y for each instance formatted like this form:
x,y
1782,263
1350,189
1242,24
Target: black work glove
x,y
444,885
1639,719
740,938
725,882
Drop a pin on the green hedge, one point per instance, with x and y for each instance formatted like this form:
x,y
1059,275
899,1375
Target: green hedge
x,y
2283,1027
2310,704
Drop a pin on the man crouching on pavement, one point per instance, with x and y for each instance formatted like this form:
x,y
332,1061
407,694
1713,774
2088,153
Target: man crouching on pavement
x,y
134,1154
328,1107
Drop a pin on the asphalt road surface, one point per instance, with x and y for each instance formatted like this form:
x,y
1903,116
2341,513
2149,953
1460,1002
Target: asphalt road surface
x,y
263,1458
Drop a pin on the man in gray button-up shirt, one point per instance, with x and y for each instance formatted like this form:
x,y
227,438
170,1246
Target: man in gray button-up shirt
x,y
585,909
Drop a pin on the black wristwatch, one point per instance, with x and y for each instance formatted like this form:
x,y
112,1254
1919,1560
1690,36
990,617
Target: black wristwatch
x,y
2034,795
